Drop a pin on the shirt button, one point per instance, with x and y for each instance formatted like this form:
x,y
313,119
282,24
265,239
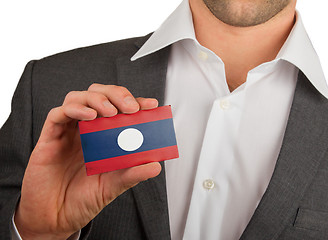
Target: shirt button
x,y
224,104
208,184
203,55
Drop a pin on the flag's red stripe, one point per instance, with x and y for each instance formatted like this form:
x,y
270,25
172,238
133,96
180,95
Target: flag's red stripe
x,y
126,161
122,120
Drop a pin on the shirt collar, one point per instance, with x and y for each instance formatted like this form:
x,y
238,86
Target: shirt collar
x,y
177,26
297,49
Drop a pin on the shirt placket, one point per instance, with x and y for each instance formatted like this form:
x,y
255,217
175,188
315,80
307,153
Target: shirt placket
x,y
211,184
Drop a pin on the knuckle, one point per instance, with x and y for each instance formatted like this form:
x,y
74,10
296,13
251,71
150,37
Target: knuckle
x,y
94,86
93,96
70,96
121,90
53,111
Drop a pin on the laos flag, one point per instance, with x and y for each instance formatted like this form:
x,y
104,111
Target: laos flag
x,y
128,140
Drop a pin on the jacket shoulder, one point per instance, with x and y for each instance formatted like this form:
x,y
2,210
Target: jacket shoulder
x,y
95,53
52,77
78,68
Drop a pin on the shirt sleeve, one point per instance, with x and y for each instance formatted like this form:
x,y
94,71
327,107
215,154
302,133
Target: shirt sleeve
x,y
15,234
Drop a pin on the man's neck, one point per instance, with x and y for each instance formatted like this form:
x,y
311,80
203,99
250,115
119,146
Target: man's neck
x,y
241,48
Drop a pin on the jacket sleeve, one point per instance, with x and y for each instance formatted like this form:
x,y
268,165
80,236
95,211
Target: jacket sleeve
x,y
15,149
16,145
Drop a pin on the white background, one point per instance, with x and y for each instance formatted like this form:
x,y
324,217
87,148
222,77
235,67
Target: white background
x,y
37,28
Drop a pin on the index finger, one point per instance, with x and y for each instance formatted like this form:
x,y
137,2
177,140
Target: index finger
x,y
119,96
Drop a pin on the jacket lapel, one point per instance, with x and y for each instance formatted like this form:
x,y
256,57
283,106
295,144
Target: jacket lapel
x,y
146,77
303,148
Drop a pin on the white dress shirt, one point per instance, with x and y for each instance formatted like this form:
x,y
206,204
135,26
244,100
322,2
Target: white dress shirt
x,y
228,141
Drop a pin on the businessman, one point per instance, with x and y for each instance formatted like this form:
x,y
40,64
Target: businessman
x,y
250,109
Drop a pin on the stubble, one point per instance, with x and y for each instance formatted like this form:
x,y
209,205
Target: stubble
x,y
245,13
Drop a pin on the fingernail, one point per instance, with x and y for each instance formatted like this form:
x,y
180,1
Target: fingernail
x,y
153,101
91,113
107,104
111,110
130,101
86,109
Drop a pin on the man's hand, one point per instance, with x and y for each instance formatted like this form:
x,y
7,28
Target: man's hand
x,y
57,197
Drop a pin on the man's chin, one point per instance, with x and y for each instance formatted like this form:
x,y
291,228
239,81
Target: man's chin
x,y
239,13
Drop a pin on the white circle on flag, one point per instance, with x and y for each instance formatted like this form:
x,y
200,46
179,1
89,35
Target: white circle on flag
x,y
130,139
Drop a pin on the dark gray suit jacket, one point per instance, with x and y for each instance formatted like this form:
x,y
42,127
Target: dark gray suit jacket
x,y
295,205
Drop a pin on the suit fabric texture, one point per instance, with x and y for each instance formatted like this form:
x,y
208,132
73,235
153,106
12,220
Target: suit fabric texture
x,y
294,206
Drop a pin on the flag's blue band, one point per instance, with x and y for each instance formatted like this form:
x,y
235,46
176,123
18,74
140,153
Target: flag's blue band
x,y
103,144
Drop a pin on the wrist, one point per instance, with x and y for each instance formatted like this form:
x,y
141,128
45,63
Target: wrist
x,y
25,233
